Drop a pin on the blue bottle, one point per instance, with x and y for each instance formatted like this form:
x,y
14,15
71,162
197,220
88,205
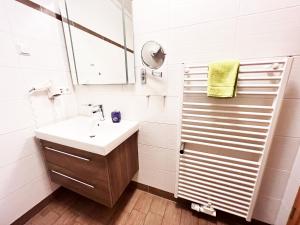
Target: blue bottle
x,y
116,116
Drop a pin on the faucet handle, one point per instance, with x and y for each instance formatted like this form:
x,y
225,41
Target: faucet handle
x,y
90,109
96,109
100,106
93,105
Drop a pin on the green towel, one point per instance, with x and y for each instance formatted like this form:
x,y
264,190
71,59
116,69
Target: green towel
x,y
222,78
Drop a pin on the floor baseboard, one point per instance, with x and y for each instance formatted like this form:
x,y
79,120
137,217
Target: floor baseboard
x,y
185,203
35,209
153,190
133,185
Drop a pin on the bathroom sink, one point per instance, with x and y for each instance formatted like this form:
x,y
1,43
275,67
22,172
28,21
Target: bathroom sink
x,y
86,133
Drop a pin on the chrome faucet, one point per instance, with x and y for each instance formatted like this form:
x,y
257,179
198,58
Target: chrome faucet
x,y
98,109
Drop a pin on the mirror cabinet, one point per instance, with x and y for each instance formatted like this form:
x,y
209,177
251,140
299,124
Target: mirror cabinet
x,y
99,40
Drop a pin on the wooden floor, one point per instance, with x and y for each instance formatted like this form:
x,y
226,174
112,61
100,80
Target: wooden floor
x,y
135,207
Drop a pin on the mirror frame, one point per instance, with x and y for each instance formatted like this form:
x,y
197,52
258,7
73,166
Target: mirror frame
x,y
161,56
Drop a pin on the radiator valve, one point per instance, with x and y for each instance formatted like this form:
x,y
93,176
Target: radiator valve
x,y
207,209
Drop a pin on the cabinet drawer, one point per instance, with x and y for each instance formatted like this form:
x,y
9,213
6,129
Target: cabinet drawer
x,y
84,164
91,188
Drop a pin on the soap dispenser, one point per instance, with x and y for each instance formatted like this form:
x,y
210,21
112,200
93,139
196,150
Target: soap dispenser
x,y
116,116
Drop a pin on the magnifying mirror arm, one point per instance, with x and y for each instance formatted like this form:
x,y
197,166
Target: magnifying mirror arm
x,y
153,73
156,73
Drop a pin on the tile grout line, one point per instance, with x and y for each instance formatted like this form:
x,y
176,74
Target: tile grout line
x,y
31,181
19,159
171,149
17,130
268,11
168,28
57,16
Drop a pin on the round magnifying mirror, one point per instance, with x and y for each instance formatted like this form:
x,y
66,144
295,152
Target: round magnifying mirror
x,y
153,55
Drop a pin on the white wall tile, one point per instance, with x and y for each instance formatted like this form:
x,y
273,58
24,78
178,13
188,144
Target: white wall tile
x,y
46,111
15,115
67,106
4,24
184,13
18,174
144,176
283,153
293,85
202,42
290,111
290,193
132,107
8,53
283,215
293,2
256,6
43,55
266,209
18,202
92,91
151,157
274,183
175,79
38,76
23,182
17,145
12,85
271,36
294,181
163,180
162,109
158,134
150,15
30,23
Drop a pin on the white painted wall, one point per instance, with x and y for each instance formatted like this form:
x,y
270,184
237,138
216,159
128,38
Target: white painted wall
x,y
23,178
194,31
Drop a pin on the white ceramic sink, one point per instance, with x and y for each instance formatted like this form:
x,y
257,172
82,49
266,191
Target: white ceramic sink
x,y
84,133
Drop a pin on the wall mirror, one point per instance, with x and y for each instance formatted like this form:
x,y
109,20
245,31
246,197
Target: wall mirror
x,y
99,40
153,55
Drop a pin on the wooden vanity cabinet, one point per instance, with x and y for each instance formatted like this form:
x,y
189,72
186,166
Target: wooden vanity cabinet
x,y
100,178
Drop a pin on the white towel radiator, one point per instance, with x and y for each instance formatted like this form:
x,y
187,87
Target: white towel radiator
x,y
225,142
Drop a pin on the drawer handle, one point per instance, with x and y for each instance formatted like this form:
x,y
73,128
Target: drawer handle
x,y
71,178
68,154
